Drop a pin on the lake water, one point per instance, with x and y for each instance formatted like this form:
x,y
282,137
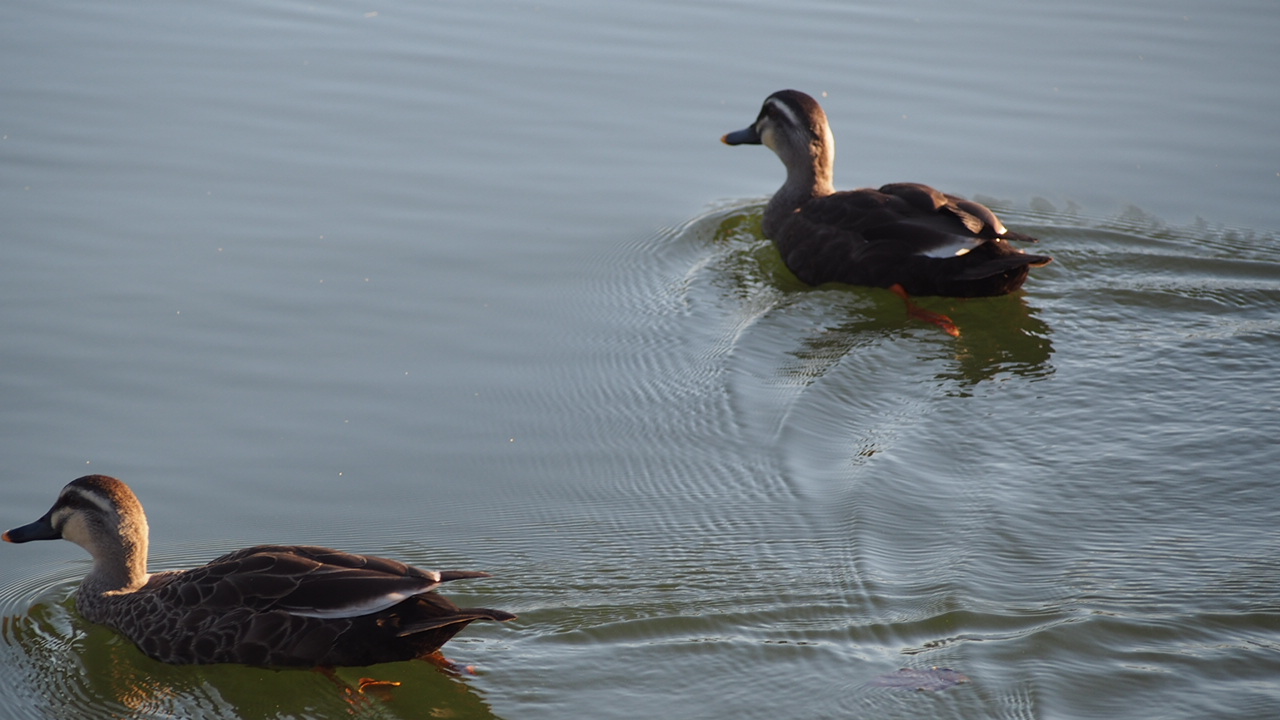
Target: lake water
x,y
475,285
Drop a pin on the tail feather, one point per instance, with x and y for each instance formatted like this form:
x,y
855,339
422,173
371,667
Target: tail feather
x,y
1003,263
463,616
447,575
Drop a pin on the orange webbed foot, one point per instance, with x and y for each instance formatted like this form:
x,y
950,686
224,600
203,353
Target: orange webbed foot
x,y
928,316
365,692
438,659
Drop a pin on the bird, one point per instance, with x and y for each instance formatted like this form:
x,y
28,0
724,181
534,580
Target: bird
x,y
267,605
904,236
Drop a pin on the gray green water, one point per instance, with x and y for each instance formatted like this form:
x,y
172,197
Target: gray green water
x,y
474,285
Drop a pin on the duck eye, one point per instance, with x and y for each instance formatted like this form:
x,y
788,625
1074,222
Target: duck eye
x,y
76,501
781,113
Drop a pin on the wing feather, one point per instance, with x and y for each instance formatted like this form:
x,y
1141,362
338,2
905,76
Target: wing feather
x,y
305,580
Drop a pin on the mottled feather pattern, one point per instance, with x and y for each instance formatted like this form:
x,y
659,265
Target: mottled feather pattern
x,y
243,608
274,605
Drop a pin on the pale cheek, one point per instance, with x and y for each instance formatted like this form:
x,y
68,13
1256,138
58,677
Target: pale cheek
x,y
766,138
70,526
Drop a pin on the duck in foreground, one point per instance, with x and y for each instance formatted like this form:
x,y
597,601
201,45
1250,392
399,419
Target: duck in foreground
x,y
269,605
904,236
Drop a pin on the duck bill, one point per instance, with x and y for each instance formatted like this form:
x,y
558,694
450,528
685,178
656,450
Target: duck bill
x,y
745,136
41,529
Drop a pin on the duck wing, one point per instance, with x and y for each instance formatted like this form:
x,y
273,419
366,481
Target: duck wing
x,y
927,202
308,581
903,234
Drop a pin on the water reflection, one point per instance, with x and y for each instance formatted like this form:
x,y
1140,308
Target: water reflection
x,y
1001,336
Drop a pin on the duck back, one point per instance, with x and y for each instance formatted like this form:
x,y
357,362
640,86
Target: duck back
x,y
902,234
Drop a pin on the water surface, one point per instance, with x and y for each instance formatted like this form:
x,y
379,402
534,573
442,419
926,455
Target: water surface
x,y
475,286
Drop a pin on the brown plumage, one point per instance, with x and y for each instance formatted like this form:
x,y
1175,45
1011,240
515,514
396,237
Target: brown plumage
x,y
271,605
905,234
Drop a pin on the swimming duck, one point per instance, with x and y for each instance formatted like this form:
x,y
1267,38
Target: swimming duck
x,y
269,605
905,236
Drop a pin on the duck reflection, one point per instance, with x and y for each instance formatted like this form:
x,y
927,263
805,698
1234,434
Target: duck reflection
x,y
1000,336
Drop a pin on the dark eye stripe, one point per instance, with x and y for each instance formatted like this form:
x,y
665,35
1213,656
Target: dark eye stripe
x,y
781,112
76,499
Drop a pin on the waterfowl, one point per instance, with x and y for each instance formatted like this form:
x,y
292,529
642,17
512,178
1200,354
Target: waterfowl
x,y
904,235
269,605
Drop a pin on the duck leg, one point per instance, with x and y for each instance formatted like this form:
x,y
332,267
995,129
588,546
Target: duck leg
x,y
928,316
438,659
358,696
367,682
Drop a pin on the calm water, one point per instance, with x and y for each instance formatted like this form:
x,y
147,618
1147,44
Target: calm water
x,y
475,285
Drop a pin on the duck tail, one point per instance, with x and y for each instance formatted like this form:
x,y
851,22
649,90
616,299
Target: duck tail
x,y
447,575
461,618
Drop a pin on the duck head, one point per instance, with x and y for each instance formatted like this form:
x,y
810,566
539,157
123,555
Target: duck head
x,y
103,516
794,126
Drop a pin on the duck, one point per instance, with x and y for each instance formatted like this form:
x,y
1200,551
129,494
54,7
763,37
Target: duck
x,y
908,237
267,605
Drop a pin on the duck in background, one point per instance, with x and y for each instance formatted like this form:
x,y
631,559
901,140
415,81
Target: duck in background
x,y
907,237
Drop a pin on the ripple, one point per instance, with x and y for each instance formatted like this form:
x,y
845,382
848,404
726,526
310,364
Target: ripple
x,y
724,470
727,470
850,462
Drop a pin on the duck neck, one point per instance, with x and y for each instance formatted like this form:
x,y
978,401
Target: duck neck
x,y
119,562
808,179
